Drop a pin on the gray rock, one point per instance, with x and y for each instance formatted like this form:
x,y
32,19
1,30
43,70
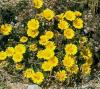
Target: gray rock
x,y
34,87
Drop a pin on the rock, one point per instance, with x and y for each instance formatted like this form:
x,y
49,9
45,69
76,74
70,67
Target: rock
x,y
34,87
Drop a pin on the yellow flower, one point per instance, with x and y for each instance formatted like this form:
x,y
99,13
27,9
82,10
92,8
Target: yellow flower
x,y
61,75
23,39
33,24
10,51
38,3
73,70
86,53
53,61
63,25
86,69
48,14
50,45
68,61
38,77
17,57
71,49
78,23
28,73
61,16
49,34
77,13
40,54
19,66
20,48
83,39
47,66
48,53
33,47
6,29
32,33
69,33
3,55
89,61
70,15
43,40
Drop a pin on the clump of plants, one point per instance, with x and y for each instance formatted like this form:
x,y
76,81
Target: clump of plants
x,y
53,47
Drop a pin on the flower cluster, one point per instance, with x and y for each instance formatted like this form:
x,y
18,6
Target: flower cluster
x,y
15,52
36,77
39,45
48,53
33,26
